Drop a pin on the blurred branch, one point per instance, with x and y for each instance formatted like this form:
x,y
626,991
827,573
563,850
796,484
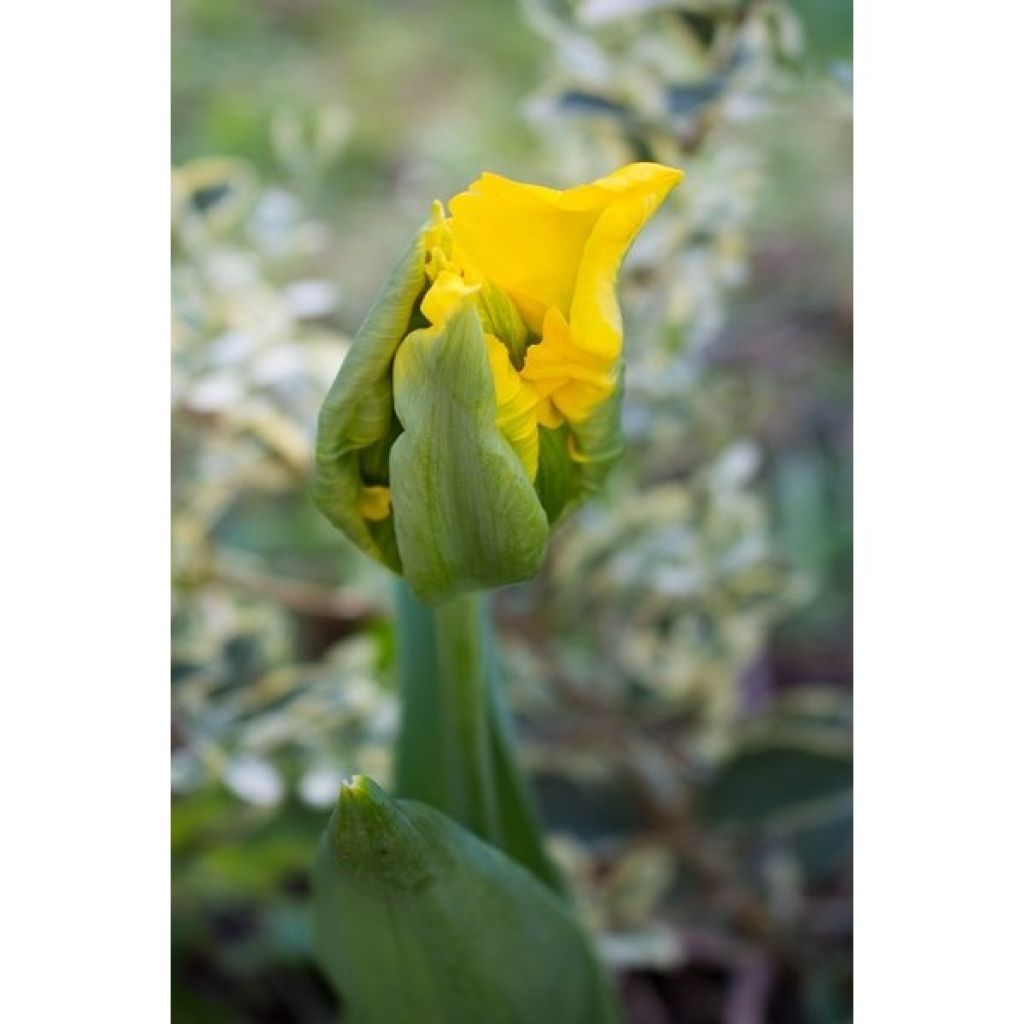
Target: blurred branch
x,y
298,595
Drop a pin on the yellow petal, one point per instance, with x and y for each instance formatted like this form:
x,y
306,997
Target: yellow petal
x,y
445,295
517,236
437,240
516,406
532,241
570,380
638,191
548,416
375,503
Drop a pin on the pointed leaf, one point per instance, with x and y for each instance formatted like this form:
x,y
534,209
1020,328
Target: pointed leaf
x,y
419,922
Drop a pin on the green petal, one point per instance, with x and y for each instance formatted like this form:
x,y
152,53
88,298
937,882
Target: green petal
x,y
597,442
418,921
357,421
575,459
559,478
501,318
466,514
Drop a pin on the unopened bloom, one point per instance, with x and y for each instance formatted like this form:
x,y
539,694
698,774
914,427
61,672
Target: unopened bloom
x,y
481,397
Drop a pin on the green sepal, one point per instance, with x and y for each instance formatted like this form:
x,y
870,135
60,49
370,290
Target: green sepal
x,y
356,422
559,476
500,317
575,459
466,514
416,921
597,443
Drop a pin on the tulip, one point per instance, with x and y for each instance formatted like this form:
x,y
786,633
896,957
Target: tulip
x,y
480,400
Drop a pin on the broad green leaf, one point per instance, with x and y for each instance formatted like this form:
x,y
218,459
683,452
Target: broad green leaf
x,y
357,423
419,922
466,514
517,813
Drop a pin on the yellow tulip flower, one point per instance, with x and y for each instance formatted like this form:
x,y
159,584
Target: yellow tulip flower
x,y
556,255
515,283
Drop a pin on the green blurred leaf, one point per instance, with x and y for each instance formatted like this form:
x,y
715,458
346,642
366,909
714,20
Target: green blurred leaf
x,y
418,921
575,101
684,100
825,845
828,25
772,777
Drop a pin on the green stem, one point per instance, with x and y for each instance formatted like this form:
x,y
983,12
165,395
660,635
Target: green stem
x,y
420,773
454,747
444,746
460,655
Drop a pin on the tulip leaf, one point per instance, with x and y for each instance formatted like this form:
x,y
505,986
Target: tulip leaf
x,y
466,514
357,417
520,827
416,921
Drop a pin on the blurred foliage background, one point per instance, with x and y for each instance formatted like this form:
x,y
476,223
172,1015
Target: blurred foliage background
x,y
681,671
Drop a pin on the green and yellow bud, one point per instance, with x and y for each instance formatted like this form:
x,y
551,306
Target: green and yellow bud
x,y
481,398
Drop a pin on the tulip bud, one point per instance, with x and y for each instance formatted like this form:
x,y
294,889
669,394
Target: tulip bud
x,y
481,398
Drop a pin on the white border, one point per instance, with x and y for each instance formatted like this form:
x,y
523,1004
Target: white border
x,y
85,522
939,511
939,516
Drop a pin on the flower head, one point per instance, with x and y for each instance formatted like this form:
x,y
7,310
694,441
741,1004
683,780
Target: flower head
x,y
481,397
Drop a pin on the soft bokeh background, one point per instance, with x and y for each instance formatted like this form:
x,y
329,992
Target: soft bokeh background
x,y
680,673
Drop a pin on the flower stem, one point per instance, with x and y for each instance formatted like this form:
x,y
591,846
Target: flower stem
x,y
454,745
460,655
